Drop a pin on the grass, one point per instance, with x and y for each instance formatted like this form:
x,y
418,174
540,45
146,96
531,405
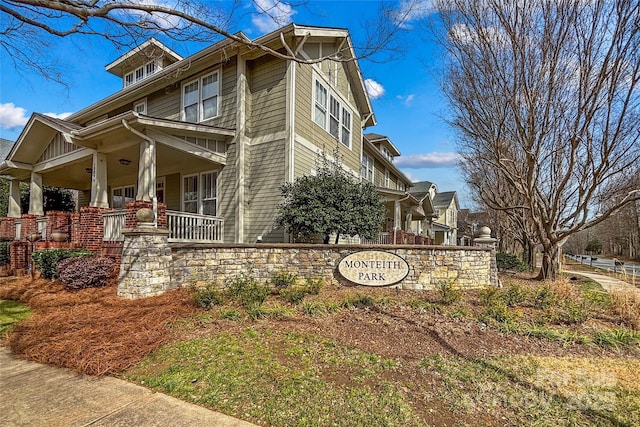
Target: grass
x,y
279,379
256,354
11,312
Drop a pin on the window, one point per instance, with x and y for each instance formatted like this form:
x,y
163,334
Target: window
x,y
140,106
200,98
386,153
121,195
367,168
400,186
338,124
200,193
320,116
346,127
386,178
141,73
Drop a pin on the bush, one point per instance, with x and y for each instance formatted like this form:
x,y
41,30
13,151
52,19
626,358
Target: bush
x,y
293,294
313,285
47,261
514,295
207,296
85,272
448,293
283,279
5,253
544,298
506,261
247,290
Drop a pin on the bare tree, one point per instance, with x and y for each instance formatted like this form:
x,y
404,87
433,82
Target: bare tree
x,y
29,28
545,92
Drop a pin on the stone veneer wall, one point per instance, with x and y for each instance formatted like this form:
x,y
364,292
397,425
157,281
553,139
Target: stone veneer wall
x,y
463,266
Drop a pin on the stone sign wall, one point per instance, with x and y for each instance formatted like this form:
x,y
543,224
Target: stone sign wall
x,y
427,266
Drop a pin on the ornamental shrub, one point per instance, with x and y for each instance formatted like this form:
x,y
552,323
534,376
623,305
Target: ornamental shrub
x,y
506,261
5,253
46,261
82,272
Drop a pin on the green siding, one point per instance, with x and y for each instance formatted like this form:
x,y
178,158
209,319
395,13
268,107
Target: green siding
x,y
266,175
227,194
306,128
266,113
172,192
305,160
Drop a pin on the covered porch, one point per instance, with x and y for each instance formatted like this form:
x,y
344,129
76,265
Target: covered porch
x,y
408,219
172,167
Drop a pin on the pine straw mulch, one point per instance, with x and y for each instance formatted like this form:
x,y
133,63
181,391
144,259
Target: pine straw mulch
x,y
91,331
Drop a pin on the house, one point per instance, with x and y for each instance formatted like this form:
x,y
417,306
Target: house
x,y
208,140
445,208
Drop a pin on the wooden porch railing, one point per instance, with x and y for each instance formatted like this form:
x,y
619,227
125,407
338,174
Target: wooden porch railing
x,y
114,223
189,227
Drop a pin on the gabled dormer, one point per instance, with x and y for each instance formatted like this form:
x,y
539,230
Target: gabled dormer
x,y
143,61
383,145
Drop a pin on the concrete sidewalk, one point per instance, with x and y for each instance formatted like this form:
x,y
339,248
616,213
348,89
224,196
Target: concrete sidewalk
x,y
32,394
608,283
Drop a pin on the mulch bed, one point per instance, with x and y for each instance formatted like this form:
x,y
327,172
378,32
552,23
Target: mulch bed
x,y
91,331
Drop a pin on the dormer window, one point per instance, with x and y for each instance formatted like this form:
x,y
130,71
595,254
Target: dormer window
x,y
141,73
386,153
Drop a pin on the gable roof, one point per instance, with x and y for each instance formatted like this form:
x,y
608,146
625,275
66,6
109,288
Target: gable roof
x,y
445,198
198,60
139,55
376,138
5,148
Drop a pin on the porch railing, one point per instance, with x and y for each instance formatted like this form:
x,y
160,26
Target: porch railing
x,y
42,227
184,227
382,239
189,227
114,222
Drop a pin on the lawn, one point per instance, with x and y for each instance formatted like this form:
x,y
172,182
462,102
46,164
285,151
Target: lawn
x,y
10,313
302,352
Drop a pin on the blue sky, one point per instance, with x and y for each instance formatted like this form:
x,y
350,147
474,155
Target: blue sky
x,y
405,95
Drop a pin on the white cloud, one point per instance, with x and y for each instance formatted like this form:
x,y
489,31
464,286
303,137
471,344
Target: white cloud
x,y
428,160
407,100
272,14
412,10
58,115
12,116
161,20
374,89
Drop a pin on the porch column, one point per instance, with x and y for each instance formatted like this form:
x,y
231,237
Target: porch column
x,y
36,205
397,215
14,210
99,193
147,171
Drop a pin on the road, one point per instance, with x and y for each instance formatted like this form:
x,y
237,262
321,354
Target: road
x,y
630,268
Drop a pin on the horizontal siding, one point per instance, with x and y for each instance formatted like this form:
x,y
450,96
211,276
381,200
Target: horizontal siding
x,y
309,130
227,117
165,103
172,192
227,193
266,175
266,114
305,160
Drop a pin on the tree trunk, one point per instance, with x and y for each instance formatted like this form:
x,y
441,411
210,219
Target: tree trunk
x,y
325,240
550,267
337,238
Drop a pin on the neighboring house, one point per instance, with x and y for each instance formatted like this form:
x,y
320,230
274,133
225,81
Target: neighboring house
x,y
468,225
445,208
402,208
212,137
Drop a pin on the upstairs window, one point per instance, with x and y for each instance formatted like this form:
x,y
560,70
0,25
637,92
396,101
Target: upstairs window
x,y
140,106
141,73
387,179
367,168
401,186
331,115
200,98
386,153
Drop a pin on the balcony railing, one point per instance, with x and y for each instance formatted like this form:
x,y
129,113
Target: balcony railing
x,y
189,227
114,222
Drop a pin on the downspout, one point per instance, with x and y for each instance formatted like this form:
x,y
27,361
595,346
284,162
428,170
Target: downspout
x,y
395,226
148,141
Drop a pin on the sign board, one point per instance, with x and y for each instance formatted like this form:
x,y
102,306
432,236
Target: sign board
x,y
373,268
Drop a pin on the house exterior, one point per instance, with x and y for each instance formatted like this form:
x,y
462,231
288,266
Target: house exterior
x,y
445,208
207,141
